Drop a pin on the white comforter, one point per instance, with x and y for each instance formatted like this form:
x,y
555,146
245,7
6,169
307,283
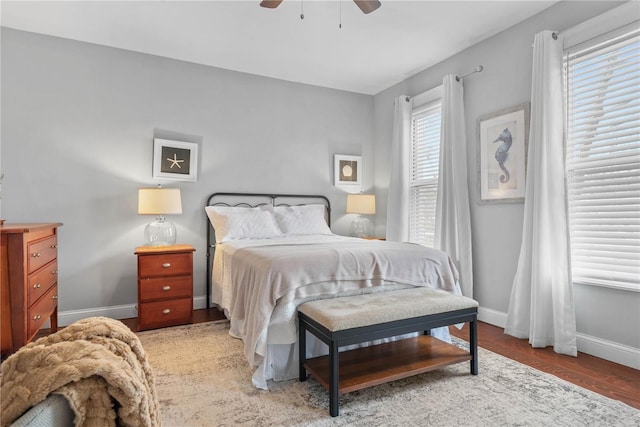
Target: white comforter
x,y
259,283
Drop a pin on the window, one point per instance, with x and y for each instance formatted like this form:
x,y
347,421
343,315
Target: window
x,y
425,156
603,160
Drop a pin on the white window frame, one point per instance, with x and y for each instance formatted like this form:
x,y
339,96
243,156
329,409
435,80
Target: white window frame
x,y
422,218
591,33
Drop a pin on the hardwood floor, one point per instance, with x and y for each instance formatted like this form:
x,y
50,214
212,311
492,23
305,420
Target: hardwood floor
x,y
601,376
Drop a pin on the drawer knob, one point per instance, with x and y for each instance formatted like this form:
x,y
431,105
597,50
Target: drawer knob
x,y
55,297
36,286
37,317
54,246
166,265
54,271
166,288
36,255
166,311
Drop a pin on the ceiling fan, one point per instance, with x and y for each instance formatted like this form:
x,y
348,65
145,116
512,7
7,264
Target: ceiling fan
x,y
366,6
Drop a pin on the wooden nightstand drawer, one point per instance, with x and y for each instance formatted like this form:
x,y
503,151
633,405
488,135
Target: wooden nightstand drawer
x,y
165,313
41,311
38,283
41,252
165,264
165,287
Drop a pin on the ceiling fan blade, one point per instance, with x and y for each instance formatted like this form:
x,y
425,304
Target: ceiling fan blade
x,y
271,4
367,6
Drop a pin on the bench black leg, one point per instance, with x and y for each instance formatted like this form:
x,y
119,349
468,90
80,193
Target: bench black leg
x,y
473,345
334,378
302,350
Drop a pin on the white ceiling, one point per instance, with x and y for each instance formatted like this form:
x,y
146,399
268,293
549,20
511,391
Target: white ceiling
x,y
367,55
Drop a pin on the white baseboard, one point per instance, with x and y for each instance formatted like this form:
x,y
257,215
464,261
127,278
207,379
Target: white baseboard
x,y
598,347
199,303
609,350
492,317
127,311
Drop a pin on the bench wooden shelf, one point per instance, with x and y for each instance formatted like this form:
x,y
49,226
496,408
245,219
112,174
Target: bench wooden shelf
x,y
378,364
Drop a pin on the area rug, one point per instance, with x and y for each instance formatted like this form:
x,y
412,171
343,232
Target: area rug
x,y
203,379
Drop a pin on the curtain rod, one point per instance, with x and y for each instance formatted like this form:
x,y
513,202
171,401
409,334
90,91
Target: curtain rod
x,y
477,69
554,36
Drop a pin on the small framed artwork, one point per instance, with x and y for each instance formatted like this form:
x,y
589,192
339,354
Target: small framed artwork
x,y
502,154
175,160
347,170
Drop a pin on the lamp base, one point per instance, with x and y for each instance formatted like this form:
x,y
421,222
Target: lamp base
x,y
360,227
160,233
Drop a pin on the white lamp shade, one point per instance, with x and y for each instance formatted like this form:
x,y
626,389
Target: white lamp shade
x,y
362,204
159,201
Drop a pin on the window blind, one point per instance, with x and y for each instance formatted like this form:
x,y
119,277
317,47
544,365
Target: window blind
x,y
425,157
603,161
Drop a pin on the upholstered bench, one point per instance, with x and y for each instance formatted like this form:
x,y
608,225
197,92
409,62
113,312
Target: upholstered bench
x,y
360,318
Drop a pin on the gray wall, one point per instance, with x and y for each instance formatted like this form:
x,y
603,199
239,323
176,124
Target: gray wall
x,y
608,314
78,122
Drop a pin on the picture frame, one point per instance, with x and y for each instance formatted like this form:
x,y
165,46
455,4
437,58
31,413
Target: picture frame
x,y
175,160
347,170
502,155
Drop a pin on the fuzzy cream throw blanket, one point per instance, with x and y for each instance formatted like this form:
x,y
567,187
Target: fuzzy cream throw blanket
x,y
98,364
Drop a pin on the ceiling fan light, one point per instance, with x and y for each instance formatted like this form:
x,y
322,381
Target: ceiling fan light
x,y
271,4
367,6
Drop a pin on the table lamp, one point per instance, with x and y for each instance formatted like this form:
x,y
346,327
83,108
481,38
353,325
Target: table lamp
x,y
160,202
361,204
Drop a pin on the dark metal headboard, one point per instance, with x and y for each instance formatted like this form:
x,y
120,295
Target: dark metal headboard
x,y
252,200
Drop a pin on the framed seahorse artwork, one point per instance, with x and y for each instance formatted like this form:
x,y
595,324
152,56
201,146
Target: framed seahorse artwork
x,y
502,154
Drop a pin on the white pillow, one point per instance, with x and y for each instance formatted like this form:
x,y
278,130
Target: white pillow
x,y
233,222
306,219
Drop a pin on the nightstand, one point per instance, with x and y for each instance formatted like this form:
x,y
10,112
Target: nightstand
x,y
165,286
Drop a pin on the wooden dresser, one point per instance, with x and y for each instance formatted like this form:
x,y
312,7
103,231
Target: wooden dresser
x,y
29,281
165,286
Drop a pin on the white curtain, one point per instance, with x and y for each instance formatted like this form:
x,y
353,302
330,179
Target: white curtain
x,y
541,306
453,220
398,198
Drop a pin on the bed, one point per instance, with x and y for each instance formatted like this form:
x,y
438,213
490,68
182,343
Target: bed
x,y
269,253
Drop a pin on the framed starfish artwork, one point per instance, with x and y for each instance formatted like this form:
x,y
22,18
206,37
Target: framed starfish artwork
x,y
175,160
502,154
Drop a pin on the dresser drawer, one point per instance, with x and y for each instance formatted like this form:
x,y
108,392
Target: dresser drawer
x,y
42,310
39,282
165,313
156,288
40,252
165,265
